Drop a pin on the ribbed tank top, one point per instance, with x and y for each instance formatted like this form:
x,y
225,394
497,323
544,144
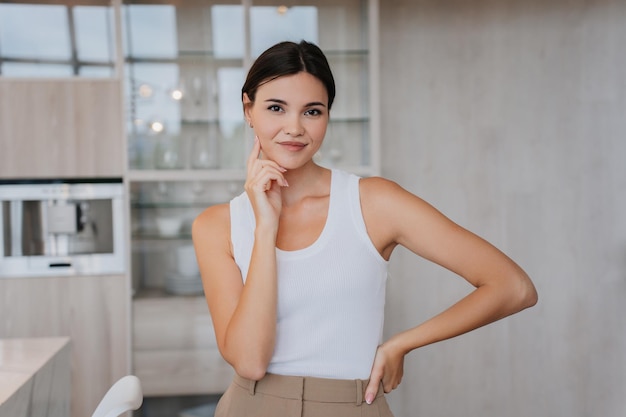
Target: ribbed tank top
x,y
331,294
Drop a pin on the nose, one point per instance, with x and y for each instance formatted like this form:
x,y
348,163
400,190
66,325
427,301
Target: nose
x,y
294,127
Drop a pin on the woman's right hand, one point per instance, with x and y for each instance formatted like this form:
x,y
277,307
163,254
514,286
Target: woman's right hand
x,y
263,186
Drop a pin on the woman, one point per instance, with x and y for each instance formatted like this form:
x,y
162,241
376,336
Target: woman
x,y
294,268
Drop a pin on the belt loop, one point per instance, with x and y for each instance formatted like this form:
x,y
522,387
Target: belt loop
x,y
251,387
359,391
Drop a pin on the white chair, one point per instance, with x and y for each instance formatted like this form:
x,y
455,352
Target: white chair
x,y
124,395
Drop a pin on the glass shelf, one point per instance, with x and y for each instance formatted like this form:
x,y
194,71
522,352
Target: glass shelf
x,y
199,121
140,205
337,120
183,57
171,175
147,293
346,52
155,236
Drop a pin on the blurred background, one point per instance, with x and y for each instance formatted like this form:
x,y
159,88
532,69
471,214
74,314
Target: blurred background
x,y
508,116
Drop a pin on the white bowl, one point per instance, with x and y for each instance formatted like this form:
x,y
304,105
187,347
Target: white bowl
x,y
169,226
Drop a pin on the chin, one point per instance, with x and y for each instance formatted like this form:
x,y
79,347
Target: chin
x,y
290,161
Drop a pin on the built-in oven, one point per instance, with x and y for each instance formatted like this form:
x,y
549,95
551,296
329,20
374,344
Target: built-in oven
x,y
61,227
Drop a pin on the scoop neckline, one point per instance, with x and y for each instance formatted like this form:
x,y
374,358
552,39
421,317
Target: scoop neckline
x,y
323,236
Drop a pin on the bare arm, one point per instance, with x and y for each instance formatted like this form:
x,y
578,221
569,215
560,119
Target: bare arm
x,y
244,316
397,217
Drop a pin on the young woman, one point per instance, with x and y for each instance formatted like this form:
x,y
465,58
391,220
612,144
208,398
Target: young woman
x,y
294,268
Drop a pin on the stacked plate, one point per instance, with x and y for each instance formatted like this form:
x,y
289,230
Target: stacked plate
x,y
186,279
178,284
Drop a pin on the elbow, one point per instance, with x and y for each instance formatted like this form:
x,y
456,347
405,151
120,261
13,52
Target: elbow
x,y
527,295
251,371
532,296
247,362
248,365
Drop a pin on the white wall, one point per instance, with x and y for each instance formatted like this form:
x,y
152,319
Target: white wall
x,y
510,117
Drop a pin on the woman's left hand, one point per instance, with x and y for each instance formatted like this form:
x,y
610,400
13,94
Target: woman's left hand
x,y
388,367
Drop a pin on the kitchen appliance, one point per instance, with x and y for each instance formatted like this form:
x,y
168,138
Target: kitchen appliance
x,y
61,227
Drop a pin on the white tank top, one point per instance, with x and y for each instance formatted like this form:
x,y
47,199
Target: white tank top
x,y
331,295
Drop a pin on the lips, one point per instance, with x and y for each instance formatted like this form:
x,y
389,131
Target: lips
x,y
293,145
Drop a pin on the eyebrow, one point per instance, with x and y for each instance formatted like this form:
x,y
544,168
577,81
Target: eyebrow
x,y
279,101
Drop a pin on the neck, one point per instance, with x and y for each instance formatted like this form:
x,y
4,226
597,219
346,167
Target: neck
x,y
306,181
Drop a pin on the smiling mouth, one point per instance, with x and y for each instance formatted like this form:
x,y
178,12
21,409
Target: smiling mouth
x,y
293,145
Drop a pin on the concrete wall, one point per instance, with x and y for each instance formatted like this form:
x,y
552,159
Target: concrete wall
x,y
510,117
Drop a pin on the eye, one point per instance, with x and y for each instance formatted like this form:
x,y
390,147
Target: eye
x,y
313,112
275,108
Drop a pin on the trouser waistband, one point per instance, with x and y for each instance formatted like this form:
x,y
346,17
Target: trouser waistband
x,y
308,388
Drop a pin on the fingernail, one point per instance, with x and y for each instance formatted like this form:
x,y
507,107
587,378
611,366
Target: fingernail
x,y
369,399
286,184
256,138
281,169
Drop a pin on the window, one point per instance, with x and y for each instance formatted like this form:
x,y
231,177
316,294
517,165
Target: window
x,y
38,40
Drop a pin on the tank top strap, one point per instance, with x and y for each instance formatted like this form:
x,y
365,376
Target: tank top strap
x,y
344,190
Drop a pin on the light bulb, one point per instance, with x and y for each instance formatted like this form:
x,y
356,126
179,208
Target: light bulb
x,y
177,94
157,127
145,91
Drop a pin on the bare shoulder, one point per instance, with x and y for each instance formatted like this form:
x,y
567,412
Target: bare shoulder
x,y
385,205
211,238
395,216
383,195
373,187
212,217
212,225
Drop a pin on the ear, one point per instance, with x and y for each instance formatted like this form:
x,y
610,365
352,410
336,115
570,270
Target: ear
x,y
247,106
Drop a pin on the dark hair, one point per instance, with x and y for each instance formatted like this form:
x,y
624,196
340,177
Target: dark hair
x,y
289,58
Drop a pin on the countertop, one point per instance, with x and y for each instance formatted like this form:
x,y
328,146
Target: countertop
x,y
22,361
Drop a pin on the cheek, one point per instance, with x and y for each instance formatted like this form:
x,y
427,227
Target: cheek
x,y
265,128
318,132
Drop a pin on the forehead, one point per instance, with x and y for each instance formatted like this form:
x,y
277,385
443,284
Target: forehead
x,y
300,87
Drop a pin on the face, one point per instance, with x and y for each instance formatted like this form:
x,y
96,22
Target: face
x,y
290,116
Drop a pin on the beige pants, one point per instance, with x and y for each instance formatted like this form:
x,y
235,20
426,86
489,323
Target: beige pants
x,y
291,396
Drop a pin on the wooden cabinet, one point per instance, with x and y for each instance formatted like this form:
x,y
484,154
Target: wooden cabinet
x,y
61,128
92,311
68,124
174,348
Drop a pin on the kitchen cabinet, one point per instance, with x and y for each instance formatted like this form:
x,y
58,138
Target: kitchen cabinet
x,y
61,117
161,216
187,140
60,94
168,119
60,128
184,117
173,337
